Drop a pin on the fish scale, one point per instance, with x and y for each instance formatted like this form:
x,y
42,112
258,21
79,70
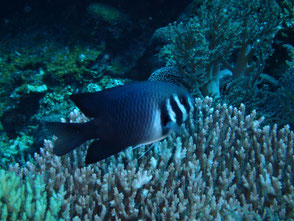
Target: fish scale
x,y
130,120
129,115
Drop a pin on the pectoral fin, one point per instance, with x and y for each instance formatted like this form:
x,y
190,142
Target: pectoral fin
x,y
172,126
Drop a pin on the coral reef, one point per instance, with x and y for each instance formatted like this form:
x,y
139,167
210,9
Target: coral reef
x,y
72,64
288,11
224,167
29,69
14,150
56,103
37,69
232,35
25,198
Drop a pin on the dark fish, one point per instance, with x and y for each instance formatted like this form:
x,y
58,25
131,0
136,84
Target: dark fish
x,y
129,115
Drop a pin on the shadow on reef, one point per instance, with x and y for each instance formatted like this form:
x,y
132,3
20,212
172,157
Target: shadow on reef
x,y
16,118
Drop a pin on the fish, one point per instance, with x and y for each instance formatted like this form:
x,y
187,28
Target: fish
x,y
134,114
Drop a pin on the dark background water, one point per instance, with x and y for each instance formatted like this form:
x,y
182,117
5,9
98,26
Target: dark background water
x,y
67,11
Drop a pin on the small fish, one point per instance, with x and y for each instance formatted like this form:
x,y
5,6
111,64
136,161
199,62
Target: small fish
x,y
129,115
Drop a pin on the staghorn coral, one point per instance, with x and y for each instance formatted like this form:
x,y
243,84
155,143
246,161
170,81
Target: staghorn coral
x,y
12,151
25,198
224,167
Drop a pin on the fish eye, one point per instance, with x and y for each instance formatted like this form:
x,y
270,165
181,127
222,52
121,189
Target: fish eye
x,y
165,120
183,100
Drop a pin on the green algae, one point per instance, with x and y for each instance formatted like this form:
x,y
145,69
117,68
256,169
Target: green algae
x,y
72,64
46,63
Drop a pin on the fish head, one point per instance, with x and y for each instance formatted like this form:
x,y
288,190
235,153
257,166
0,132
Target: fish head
x,y
176,110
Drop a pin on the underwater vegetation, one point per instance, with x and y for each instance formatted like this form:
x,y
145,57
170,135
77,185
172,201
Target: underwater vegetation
x,y
46,62
222,38
72,64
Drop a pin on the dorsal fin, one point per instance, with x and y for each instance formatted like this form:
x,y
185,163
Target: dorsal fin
x,y
91,104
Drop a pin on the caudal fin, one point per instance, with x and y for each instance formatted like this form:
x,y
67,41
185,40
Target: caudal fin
x,y
69,136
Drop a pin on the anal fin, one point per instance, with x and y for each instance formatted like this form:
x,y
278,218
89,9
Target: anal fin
x,y
100,150
69,135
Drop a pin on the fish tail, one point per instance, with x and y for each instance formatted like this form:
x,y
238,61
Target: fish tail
x,y
70,135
